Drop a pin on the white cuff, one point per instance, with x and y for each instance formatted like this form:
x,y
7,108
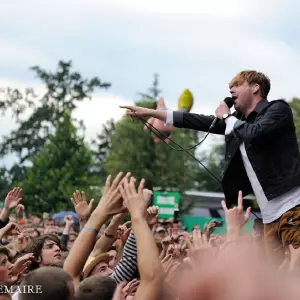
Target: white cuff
x,y
169,120
230,124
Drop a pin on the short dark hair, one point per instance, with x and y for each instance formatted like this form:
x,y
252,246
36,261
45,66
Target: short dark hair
x,y
54,284
96,287
38,233
4,250
37,246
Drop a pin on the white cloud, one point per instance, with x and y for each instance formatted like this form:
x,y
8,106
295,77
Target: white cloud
x,y
219,8
204,55
102,107
95,112
228,8
73,16
16,53
20,84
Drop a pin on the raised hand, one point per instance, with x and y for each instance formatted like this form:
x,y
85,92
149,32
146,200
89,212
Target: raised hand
x,y
133,200
167,241
165,246
118,294
123,232
10,229
235,217
137,111
82,208
13,198
170,249
151,215
111,202
209,228
131,287
69,221
147,194
169,265
22,263
198,245
23,241
174,234
20,211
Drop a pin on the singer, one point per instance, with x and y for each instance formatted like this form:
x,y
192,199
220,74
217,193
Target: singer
x,y
262,154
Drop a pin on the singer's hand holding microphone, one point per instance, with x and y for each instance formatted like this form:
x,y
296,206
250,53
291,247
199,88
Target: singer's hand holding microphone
x,y
223,110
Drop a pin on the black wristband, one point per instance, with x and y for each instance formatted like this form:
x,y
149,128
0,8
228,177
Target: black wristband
x,y
110,236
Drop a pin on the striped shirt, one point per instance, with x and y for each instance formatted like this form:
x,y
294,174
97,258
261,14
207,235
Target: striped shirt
x,y
127,265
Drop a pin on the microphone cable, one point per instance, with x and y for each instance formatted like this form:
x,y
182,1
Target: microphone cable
x,y
159,134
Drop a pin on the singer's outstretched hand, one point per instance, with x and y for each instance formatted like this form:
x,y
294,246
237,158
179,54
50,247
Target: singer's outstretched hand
x,y
222,109
137,111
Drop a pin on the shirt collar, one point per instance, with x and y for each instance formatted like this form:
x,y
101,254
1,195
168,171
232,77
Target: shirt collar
x,y
261,105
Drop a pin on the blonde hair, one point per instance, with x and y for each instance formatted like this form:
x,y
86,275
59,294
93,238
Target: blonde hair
x,y
253,77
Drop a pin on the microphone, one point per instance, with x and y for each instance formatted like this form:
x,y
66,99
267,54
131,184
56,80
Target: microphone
x,y
229,101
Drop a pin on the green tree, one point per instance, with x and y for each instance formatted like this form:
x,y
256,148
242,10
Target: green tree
x,y
153,92
37,117
102,145
215,163
63,165
5,183
295,105
103,142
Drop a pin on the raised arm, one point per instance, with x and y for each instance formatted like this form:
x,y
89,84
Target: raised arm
x,y
106,240
11,201
65,235
126,267
82,208
178,119
138,111
110,204
148,259
197,122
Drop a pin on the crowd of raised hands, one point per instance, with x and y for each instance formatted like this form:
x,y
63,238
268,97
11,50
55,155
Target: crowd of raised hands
x,y
106,256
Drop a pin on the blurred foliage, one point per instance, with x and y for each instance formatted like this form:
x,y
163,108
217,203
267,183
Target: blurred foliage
x,y
50,153
62,165
295,105
37,116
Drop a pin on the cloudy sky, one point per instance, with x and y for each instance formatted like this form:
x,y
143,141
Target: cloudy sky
x,y
193,44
